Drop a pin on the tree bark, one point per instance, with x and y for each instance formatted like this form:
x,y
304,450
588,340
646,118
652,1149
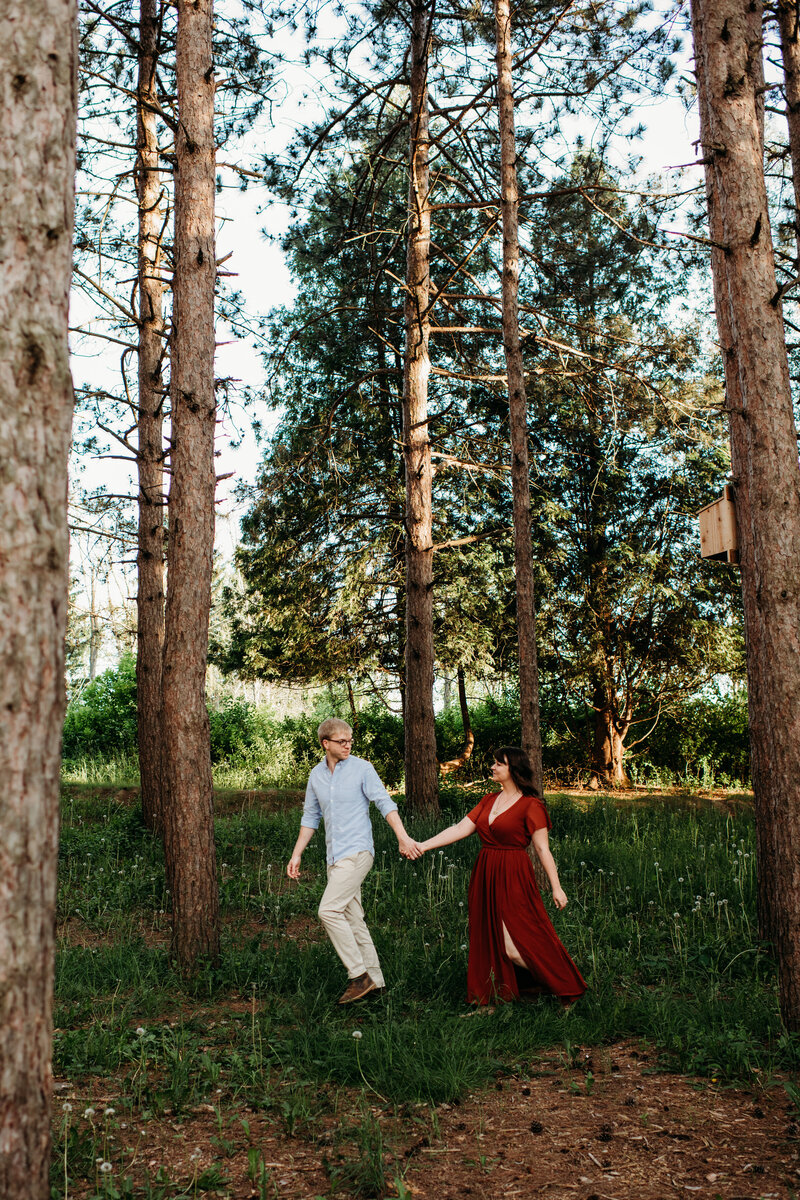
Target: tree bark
x,y
38,55
608,751
420,732
517,400
789,26
455,764
727,38
150,458
188,811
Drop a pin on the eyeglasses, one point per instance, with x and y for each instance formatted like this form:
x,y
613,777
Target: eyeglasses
x,y
340,741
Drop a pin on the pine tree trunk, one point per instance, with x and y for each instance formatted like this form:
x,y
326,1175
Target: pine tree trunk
x,y
734,403
188,809
789,26
455,764
727,35
422,772
517,400
38,56
95,629
150,561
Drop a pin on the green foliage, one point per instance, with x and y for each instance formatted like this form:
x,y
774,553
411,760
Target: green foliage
x,y
703,739
627,448
102,721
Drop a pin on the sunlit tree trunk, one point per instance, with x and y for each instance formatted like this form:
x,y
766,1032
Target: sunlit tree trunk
x,y
150,458
38,55
789,27
188,808
517,400
727,38
608,749
455,764
421,766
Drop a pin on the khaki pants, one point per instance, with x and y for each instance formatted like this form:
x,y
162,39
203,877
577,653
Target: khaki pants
x,y
343,917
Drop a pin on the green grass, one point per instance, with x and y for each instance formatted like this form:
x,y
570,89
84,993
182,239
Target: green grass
x,y
661,922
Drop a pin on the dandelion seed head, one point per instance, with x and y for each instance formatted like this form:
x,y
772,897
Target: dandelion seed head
x,y
88,1112
357,1034
66,1106
141,1031
109,1112
106,1168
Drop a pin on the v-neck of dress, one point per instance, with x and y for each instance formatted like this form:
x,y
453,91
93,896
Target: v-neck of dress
x,y
503,812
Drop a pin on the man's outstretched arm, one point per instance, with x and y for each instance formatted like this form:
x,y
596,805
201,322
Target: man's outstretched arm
x,y
408,847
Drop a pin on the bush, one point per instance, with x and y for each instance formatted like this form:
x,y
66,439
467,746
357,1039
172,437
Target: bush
x,y
705,740
102,722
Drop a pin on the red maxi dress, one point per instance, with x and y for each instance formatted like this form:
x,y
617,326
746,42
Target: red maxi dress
x,y
503,891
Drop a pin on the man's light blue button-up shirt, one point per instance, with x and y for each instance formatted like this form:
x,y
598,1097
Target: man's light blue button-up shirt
x,y
341,799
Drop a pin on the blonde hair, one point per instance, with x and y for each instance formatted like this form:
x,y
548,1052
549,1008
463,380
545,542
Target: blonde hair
x,y
329,728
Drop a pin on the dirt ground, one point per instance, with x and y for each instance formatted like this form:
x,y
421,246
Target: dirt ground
x,y
607,1127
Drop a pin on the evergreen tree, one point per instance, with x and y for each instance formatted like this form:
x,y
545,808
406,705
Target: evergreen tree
x,y
628,447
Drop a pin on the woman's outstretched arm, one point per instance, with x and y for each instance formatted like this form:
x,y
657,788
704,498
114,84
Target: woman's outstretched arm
x,y
541,844
453,833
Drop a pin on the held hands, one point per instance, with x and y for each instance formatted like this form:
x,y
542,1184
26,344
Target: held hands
x,y
409,848
293,868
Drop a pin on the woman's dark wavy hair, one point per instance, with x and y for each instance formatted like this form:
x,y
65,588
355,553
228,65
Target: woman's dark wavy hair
x,y
519,766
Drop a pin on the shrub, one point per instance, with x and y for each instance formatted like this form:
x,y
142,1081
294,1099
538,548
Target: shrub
x,y
102,722
704,739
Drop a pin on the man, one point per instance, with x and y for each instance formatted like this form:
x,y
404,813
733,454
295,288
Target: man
x,y
339,792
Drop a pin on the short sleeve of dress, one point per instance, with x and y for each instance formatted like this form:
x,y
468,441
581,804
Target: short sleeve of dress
x,y
474,813
537,816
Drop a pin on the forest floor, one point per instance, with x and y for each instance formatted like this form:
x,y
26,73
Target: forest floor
x,y
254,1087
610,1127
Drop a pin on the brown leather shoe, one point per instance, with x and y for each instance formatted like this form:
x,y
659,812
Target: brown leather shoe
x,y
357,988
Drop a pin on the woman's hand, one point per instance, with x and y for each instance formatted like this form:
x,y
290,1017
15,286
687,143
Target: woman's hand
x,y
559,897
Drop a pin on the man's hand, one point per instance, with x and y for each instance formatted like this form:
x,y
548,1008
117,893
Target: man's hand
x,y
293,869
409,848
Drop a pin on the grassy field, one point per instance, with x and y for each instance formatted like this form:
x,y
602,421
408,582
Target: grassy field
x,y
661,922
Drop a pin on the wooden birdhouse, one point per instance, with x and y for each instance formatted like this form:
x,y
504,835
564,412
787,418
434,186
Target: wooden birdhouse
x,y
719,537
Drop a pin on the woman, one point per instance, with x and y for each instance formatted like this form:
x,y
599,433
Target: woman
x,y
513,946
